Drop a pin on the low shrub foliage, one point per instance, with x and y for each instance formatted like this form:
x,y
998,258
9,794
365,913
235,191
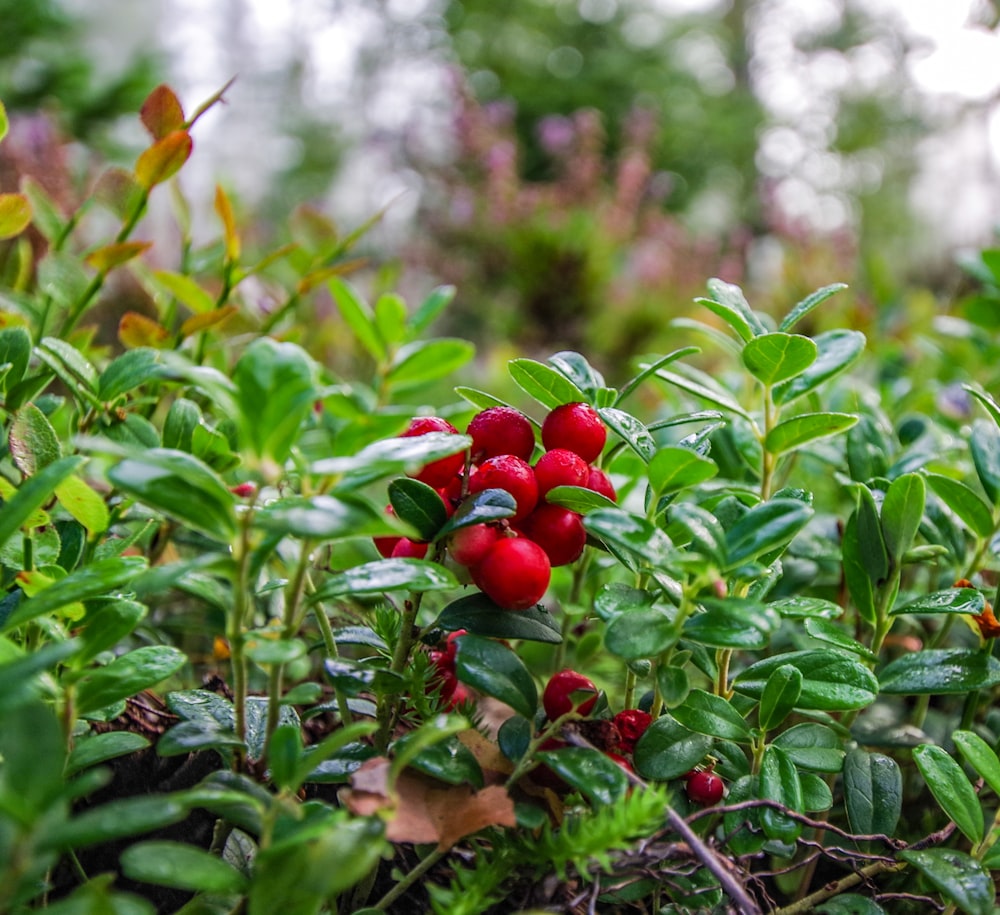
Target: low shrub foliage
x,y
272,639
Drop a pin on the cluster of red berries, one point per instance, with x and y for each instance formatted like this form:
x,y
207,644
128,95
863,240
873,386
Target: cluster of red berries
x,y
512,561
453,692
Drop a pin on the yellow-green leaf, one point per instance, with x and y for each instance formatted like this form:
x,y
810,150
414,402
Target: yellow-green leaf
x,y
84,504
107,257
136,330
163,159
15,214
224,210
200,322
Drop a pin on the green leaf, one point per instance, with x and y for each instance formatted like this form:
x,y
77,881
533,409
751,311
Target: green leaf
x,y
871,540
651,369
15,351
358,315
964,502
940,671
642,633
810,302
599,779
186,290
984,444
382,575
776,357
482,400
127,372
630,533
950,600
951,789
812,746
959,878
181,487
4,122
631,430
792,434
390,318
495,670
276,390
849,904
428,310
831,681
263,650
33,752
94,580
418,505
768,526
481,507
69,363
578,370
729,623
428,360
902,512
668,749
390,456
706,534
195,736
98,748
837,351
127,675
84,504
549,387
981,756
780,782
181,866
873,792
479,615
577,499
33,442
832,634
728,302
780,695
700,388
448,761
706,713
326,517
18,671
116,819
799,607
673,468
15,215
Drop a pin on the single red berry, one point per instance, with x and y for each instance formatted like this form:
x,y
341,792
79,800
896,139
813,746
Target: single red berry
x,y
468,545
440,662
558,531
599,481
385,545
621,760
451,646
705,788
409,549
632,724
456,695
501,430
567,691
244,490
441,472
577,427
514,573
511,473
560,467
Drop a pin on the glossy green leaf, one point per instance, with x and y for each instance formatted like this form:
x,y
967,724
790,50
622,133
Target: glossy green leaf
x,y
196,735
181,487
701,387
549,387
780,695
116,819
358,316
94,580
866,559
706,713
980,755
742,827
326,517
599,779
849,904
940,670
514,737
127,675
631,430
776,357
483,400
130,370
958,877
383,575
837,350
807,427
577,499
448,761
68,362
810,302
984,444
780,782
482,507
33,441
831,681
804,607
182,866
642,633
729,623
390,456
481,616
964,502
728,302
629,533
702,532
902,512
19,671
578,370
97,748
812,746
495,670
873,792
668,749
428,360
816,793
650,369
832,634
673,468
951,789
950,600
418,505
15,351
674,684
766,527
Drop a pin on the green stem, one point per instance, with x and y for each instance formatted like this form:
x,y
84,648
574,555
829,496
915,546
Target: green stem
x,y
388,705
410,879
236,625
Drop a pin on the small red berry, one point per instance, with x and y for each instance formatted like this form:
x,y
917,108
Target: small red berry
x,y
409,549
441,472
501,430
577,427
705,788
560,467
451,646
621,760
511,473
245,490
385,545
558,531
599,481
469,545
567,691
514,573
632,724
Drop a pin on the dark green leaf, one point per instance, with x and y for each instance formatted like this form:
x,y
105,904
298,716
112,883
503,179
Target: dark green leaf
x,y
284,751
514,737
631,430
599,779
480,616
776,357
816,793
668,749
951,789
800,607
981,756
195,735
855,559
812,746
127,675
98,748
950,600
495,670
766,527
873,792
130,370
480,508
15,351
779,782
849,904
781,693
326,517
810,302
702,527
837,350
33,752
448,761
114,820
549,387
428,360
807,427
387,575
642,633
418,505
706,713
960,879
835,635
964,502
831,681
902,512
944,671
673,468
629,533
737,623
69,364
984,443
33,442
34,493
181,866
577,499
578,370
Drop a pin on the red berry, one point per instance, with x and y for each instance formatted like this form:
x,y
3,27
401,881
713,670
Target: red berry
x,y
244,490
385,545
501,430
409,549
468,545
621,760
566,691
437,473
558,531
632,724
577,427
599,481
455,695
514,573
705,788
511,473
439,660
451,646
560,467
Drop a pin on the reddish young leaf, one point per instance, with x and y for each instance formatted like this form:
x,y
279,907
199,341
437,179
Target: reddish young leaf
x,y
200,322
106,258
163,159
136,330
162,113
224,209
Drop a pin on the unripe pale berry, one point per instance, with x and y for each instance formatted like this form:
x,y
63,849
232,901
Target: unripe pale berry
x,y
577,427
560,467
511,473
514,573
567,691
558,531
501,430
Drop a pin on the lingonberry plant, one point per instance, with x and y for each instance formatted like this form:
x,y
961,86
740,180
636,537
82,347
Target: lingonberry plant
x,y
277,638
